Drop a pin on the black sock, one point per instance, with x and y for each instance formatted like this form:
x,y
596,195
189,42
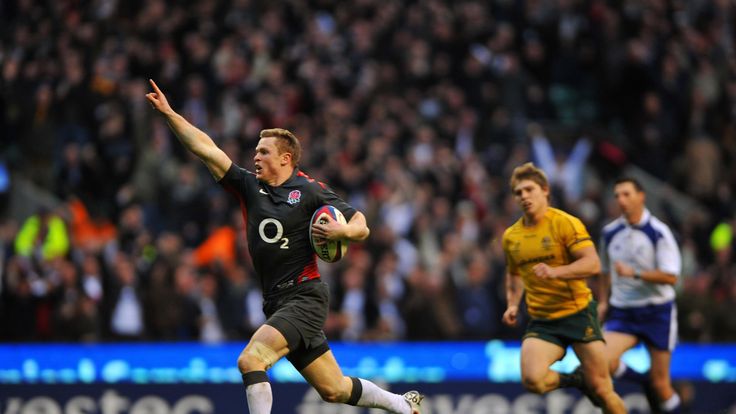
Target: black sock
x,y
254,377
631,375
356,392
570,380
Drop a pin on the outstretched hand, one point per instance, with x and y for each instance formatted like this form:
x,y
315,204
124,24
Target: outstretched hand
x,y
157,99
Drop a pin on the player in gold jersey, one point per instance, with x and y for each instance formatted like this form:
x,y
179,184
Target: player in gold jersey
x,y
549,253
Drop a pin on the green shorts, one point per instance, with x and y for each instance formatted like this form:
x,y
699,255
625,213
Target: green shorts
x,y
578,327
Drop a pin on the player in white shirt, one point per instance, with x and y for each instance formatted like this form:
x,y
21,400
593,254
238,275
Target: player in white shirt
x,y
640,263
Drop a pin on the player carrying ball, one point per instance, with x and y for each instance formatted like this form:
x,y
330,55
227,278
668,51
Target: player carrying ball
x,y
279,200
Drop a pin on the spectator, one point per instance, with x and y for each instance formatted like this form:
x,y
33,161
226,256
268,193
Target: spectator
x,y
42,236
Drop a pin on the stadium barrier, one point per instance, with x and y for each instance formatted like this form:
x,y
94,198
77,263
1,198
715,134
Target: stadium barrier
x,y
458,378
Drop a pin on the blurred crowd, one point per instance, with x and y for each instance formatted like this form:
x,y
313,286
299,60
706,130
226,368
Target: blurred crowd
x,y
414,111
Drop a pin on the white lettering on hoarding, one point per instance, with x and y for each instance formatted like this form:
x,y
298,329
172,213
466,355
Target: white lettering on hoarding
x,y
110,403
80,405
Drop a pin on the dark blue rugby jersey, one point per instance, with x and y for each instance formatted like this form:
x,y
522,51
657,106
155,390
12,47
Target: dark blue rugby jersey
x,y
277,224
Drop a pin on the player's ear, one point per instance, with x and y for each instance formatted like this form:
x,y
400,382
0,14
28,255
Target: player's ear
x,y
286,158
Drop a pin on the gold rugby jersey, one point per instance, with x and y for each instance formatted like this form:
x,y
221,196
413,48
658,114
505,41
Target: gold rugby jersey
x,y
550,241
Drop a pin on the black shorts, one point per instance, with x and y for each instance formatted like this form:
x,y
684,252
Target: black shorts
x,y
299,314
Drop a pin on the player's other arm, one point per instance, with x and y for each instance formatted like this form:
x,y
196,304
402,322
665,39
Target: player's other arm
x,y
355,230
603,289
196,141
514,291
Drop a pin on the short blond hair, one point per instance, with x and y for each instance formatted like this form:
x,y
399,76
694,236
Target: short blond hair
x,y
287,142
531,172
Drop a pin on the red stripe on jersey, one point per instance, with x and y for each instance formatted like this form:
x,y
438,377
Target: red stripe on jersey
x,y
311,271
310,179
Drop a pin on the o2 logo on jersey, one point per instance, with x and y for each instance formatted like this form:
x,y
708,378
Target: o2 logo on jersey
x,y
276,238
294,197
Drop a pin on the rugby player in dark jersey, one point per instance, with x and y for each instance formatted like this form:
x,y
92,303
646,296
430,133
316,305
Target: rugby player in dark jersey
x,y
278,201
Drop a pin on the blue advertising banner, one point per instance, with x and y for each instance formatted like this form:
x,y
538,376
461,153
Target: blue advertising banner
x,y
474,397
173,363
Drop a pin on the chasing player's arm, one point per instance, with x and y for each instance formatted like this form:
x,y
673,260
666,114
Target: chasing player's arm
x,y
585,264
514,292
193,139
602,292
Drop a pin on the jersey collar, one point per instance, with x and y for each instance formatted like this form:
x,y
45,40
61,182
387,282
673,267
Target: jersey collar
x,y
645,216
280,194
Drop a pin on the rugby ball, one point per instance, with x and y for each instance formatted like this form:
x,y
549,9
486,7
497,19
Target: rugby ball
x,y
333,250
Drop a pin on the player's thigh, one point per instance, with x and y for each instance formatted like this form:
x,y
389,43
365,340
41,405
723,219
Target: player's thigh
x,y
593,360
617,343
537,355
267,345
324,374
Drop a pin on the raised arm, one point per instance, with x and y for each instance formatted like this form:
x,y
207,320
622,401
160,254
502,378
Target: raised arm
x,y
193,139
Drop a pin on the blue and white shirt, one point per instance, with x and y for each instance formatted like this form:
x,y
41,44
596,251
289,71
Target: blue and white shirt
x,y
647,245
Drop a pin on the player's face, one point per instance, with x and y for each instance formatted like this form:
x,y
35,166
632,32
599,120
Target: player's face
x,y
531,197
268,161
630,201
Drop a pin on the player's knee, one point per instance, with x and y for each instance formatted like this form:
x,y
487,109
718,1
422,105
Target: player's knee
x,y
535,385
333,394
248,363
256,356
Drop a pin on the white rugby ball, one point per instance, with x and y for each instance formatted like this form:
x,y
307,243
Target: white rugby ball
x,y
332,250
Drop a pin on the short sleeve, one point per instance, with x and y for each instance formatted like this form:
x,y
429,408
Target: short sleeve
x,y
325,195
668,253
235,180
573,233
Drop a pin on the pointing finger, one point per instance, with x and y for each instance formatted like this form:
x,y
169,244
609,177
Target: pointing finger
x,y
154,86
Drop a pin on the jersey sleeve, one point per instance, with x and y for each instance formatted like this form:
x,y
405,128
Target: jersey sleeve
x,y
325,195
668,253
573,233
235,180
